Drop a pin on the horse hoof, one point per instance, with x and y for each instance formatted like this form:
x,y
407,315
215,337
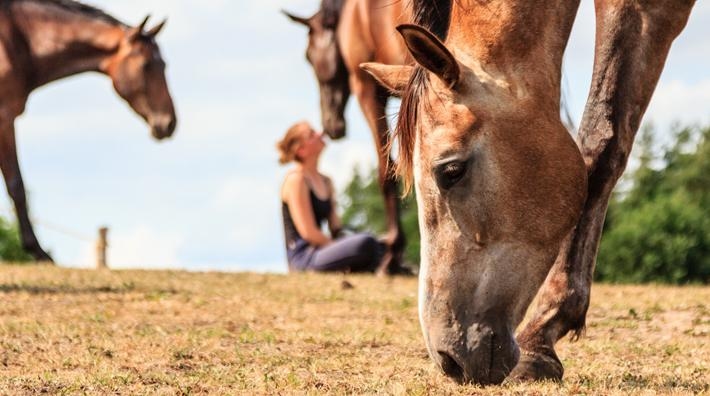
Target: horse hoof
x,y
41,257
400,270
392,269
534,366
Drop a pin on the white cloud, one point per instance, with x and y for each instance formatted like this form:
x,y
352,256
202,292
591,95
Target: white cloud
x,y
680,101
141,247
341,158
253,203
189,19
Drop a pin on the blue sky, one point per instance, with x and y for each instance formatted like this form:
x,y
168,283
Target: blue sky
x,y
208,198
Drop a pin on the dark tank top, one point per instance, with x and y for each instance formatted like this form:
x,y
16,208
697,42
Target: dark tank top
x,y
321,211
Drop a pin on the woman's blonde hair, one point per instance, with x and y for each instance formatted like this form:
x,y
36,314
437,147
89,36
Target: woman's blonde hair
x,y
289,144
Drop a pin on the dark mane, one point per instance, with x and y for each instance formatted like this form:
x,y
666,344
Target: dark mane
x,y
81,8
331,12
435,16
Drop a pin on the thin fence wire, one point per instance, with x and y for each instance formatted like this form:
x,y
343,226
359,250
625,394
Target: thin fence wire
x,y
66,231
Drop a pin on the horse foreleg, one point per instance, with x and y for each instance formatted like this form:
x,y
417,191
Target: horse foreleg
x,y
373,99
632,43
15,187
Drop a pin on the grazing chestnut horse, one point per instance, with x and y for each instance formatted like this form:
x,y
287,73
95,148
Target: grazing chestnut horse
x,y
342,35
509,205
45,40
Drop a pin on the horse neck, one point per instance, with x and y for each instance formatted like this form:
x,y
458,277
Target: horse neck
x,y
519,41
67,44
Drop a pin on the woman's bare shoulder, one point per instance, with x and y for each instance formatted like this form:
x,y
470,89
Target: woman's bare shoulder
x,y
294,176
293,181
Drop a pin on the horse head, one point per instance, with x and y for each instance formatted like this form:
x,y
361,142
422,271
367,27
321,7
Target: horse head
x,y
323,53
137,71
500,183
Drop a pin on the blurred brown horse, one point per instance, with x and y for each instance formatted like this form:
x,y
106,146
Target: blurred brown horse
x,y
508,203
45,40
343,34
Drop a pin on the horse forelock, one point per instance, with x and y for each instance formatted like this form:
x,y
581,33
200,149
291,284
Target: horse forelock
x,y
406,130
331,10
434,16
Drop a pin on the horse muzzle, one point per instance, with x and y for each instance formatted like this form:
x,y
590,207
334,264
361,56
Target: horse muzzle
x,y
333,102
162,126
335,129
482,355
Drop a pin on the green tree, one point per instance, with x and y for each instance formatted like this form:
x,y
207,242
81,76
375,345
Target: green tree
x,y
659,230
10,245
363,210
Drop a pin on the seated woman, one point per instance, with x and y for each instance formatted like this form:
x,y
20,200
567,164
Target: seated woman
x,y
308,200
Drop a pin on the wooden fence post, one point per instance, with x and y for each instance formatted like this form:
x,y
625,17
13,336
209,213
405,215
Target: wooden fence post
x,y
101,246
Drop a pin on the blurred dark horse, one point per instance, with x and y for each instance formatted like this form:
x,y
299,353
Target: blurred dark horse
x,y
45,40
343,34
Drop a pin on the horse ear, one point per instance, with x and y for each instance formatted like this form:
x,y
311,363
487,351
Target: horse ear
x,y
392,77
298,19
156,29
136,32
431,53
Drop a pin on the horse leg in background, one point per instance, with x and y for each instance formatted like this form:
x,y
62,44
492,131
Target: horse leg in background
x,y
632,43
15,187
373,99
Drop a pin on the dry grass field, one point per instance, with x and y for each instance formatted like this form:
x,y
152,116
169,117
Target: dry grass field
x,y
147,332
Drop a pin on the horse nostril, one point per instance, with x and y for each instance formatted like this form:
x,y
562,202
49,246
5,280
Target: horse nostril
x,y
337,133
172,125
451,367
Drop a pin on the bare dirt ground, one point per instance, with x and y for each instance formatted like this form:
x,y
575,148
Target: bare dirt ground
x,y
149,332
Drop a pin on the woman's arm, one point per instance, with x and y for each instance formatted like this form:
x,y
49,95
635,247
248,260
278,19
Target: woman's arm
x,y
334,224
297,196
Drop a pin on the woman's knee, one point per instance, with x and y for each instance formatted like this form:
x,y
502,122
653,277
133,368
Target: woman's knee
x,y
367,249
356,252
364,240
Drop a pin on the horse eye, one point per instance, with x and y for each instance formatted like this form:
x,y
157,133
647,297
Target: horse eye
x,y
450,173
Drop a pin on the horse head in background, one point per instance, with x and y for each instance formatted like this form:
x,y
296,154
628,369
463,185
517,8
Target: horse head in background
x,y
507,201
341,36
137,71
44,41
323,53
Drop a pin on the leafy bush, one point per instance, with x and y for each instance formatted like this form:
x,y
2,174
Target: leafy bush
x,y
659,230
666,240
363,210
10,245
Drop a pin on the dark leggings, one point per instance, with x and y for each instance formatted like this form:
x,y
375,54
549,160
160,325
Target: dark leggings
x,y
356,253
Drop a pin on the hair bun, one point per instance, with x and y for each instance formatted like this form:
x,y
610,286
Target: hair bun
x,y
288,145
